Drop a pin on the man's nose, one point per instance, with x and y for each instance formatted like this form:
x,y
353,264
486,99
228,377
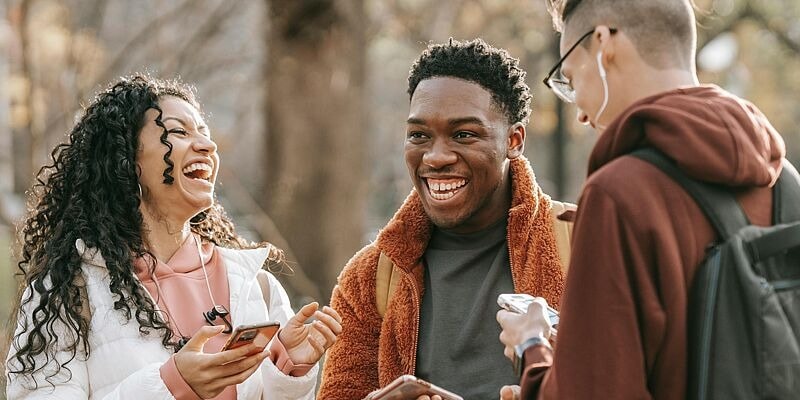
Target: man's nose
x,y
439,155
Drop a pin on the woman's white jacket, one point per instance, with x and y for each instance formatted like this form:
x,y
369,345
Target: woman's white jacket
x,y
124,364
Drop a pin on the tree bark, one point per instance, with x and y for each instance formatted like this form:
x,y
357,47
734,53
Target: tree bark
x,y
315,176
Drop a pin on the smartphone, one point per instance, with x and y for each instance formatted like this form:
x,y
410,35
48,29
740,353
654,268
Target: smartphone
x,y
410,387
258,334
519,302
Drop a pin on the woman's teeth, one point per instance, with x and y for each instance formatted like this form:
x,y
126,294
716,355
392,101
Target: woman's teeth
x,y
198,171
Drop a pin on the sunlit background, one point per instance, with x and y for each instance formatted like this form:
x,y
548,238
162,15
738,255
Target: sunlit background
x,y
307,99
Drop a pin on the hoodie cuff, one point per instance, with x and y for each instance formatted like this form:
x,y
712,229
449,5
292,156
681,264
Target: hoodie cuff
x,y
280,357
175,383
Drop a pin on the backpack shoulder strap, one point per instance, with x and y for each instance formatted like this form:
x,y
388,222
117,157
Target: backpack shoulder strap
x,y
563,231
786,195
263,281
386,280
86,311
718,204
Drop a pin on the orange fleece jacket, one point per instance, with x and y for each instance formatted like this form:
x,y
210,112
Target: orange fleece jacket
x,y
371,352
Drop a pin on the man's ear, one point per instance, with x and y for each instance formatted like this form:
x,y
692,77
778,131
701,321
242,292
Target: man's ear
x,y
516,140
603,35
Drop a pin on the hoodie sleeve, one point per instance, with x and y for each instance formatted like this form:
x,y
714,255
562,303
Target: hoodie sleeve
x,y
351,367
606,309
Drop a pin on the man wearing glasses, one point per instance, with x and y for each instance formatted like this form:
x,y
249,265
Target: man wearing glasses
x,y
628,65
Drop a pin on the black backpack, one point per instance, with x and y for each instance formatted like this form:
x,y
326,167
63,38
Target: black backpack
x,y
744,303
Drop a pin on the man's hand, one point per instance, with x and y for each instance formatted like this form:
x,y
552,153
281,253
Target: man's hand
x,y
511,392
305,343
519,327
209,374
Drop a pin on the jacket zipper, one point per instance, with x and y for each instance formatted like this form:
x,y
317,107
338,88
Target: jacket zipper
x,y
416,332
707,323
511,259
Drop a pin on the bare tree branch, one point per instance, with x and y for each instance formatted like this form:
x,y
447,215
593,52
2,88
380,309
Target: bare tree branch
x,y
123,55
782,36
267,230
201,37
707,35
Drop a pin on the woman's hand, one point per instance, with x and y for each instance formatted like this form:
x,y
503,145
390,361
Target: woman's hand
x,y
305,343
519,327
209,374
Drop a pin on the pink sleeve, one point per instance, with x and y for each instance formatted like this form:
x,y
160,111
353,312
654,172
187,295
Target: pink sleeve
x,y
175,383
280,357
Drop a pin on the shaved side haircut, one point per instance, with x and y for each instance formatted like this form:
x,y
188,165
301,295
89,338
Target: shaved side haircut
x,y
663,31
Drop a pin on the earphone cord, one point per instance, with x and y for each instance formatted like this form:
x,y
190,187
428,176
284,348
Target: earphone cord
x,y
203,264
166,308
208,286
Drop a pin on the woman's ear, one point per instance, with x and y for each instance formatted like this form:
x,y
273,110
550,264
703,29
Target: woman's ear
x,y
516,140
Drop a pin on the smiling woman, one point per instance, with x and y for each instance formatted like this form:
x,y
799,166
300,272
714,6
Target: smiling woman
x,y
125,249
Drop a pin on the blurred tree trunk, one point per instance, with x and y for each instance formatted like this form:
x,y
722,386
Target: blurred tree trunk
x,y
6,142
24,137
315,176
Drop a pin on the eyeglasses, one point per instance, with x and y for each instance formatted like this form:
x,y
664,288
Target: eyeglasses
x,y
560,85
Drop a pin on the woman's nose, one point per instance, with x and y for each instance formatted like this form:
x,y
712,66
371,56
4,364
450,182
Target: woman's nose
x,y
204,144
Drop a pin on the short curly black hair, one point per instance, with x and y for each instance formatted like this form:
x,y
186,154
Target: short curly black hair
x,y
477,61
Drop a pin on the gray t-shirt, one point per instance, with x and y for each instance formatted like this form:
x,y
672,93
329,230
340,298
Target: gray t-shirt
x,y
459,348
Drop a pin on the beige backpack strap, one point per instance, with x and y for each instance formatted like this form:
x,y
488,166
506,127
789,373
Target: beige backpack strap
x,y
563,231
86,311
385,283
263,281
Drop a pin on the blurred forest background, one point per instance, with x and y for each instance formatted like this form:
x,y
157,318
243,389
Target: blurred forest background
x,y
307,99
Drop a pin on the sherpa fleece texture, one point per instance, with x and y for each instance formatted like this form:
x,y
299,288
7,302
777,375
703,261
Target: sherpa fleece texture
x,y
371,352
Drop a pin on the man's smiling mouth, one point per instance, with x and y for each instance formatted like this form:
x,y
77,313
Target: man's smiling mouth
x,y
444,189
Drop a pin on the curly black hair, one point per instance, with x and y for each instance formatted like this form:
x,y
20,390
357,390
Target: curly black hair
x,y
91,192
476,61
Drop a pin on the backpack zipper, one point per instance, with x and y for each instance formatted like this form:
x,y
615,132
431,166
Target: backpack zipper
x,y
708,320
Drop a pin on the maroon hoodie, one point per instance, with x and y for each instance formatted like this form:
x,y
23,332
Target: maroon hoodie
x,y
638,239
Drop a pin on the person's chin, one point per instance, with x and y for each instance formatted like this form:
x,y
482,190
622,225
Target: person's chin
x,y
198,193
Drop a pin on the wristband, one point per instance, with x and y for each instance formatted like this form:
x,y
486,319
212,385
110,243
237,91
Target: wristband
x,y
519,352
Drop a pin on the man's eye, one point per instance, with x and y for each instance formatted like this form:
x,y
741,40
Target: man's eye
x,y
415,135
463,135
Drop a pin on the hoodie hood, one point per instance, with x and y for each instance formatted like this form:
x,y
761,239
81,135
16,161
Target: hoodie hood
x,y
712,135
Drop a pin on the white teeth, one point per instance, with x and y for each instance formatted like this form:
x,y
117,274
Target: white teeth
x,y
196,166
444,196
449,189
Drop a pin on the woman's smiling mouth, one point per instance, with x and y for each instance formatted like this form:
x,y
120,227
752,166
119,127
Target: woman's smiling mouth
x,y
198,171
